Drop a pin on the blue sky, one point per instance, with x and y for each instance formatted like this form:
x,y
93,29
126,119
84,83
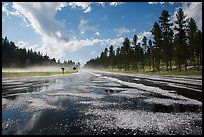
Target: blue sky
x,y
80,31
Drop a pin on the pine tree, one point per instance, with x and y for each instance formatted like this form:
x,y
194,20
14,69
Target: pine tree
x,y
111,57
144,45
180,40
192,36
156,31
103,58
150,54
135,52
167,38
125,50
198,48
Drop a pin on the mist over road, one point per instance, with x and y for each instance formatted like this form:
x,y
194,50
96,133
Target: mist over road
x,y
102,103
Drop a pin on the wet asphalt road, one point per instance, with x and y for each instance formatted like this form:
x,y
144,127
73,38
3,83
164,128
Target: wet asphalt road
x,y
92,103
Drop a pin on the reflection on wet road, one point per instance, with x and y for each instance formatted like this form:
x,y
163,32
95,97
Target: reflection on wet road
x,y
93,103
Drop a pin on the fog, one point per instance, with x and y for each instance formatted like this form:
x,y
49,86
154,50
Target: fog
x,y
93,68
36,69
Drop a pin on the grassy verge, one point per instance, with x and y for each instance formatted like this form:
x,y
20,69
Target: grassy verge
x,y
23,74
188,72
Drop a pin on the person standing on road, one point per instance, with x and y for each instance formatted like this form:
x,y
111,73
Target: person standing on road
x,y
63,70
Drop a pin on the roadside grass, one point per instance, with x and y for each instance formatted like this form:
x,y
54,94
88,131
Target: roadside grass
x,y
23,74
183,72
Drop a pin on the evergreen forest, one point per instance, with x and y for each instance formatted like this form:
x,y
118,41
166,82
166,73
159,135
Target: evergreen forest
x,y
175,46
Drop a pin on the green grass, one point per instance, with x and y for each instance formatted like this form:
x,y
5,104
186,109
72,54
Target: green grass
x,y
188,72
23,74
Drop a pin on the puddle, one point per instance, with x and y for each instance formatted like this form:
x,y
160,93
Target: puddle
x,y
13,120
85,104
99,90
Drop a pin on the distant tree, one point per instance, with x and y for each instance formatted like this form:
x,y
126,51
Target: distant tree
x,y
126,46
12,56
111,51
192,36
141,56
53,61
166,47
118,58
125,50
180,39
135,38
6,41
167,38
136,53
144,44
118,51
111,56
78,65
65,62
198,48
103,58
106,52
157,33
46,57
150,54
23,58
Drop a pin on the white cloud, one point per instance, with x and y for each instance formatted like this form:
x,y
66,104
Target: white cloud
x,y
51,31
82,32
116,41
84,5
101,3
160,2
10,10
74,45
116,3
83,26
60,48
39,20
121,31
7,11
23,44
194,9
191,9
87,10
83,22
97,33
52,35
147,34
58,33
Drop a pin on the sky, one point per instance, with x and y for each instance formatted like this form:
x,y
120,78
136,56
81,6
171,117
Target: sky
x,y
79,31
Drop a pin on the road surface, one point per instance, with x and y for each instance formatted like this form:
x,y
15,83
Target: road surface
x,y
97,103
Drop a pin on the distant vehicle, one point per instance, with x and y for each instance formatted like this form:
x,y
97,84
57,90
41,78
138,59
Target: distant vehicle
x,y
62,69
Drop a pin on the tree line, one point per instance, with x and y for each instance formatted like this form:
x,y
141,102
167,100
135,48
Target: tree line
x,y
12,56
175,45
